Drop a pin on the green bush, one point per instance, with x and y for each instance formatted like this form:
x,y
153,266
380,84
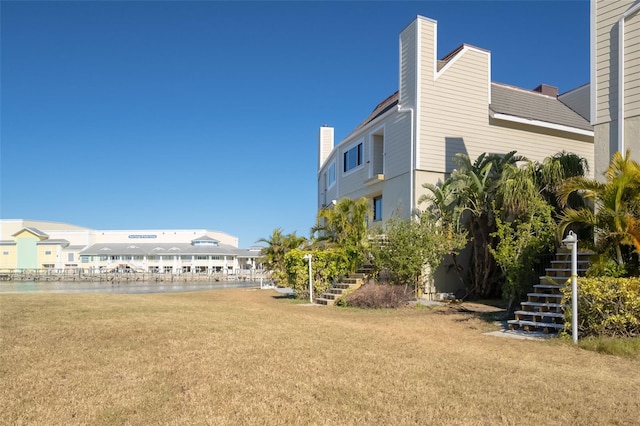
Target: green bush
x,y
328,265
606,306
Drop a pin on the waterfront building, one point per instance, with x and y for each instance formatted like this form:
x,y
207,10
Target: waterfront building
x,y
444,106
29,244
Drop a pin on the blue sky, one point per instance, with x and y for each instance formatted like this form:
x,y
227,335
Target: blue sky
x,y
127,115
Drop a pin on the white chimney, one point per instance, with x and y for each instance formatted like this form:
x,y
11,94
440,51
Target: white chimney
x,y
325,144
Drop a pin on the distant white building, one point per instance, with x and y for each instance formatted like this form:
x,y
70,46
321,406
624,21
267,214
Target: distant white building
x,y
30,244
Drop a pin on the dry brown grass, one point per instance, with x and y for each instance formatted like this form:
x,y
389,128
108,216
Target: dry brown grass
x,y
246,357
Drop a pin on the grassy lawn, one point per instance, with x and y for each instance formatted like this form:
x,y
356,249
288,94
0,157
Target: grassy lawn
x,y
249,357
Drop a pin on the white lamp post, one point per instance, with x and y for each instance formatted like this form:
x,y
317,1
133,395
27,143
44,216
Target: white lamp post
x,y
571,242
308,258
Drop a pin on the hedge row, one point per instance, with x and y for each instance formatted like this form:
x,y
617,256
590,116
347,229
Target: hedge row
x,y
606,306
328,265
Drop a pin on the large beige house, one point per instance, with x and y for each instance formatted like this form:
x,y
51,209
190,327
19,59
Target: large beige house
x,y
615,79
445,105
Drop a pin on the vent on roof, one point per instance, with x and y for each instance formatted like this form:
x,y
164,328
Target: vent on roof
x,y
548,90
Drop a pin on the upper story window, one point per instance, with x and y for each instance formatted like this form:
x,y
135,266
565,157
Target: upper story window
x,y
352,158
377,208
331,175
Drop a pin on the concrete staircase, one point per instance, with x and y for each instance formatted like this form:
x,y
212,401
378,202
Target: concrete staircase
x,y
543,310
346,285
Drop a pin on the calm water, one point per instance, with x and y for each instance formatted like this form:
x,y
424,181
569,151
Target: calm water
x,y
119,288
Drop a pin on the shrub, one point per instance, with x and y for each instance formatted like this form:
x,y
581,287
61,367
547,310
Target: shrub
x,y
329,265
606,306
374,296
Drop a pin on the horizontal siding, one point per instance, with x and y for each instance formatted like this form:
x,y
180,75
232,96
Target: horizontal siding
x,y
397,134
456,119
460,92
607,16
632,104
427,49
497,139
397,145
632,66
408,64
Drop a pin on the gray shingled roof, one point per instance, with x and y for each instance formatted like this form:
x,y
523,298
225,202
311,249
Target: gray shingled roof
x,y
531,105
380,109
510,100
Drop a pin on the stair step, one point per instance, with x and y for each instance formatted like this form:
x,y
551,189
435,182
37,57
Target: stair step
x,y
331,296
324,301
547,295
579,261
540,314
548,287
580,253
567,270
536,324
343,286
546,279
542,305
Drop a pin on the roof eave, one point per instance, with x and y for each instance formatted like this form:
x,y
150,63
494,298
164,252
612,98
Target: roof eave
x,y
539,123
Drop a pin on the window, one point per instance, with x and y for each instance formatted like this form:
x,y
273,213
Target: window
x,y
331,175
352,158
70,257
47,252
377,208
84,259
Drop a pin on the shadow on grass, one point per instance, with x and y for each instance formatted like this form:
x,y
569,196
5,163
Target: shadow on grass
x,y
284,296
489,311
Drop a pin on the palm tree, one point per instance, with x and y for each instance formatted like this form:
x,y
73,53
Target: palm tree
x,y
617,205
477,185
278,244
442,201
554,170
344,225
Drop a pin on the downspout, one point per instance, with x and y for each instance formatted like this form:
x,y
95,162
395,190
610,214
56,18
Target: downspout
x,y
412,149
621,21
